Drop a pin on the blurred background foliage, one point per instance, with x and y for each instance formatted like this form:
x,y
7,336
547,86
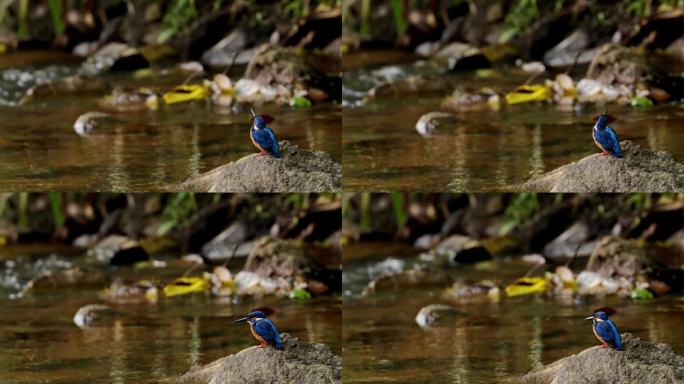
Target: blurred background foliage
x,y
410,22
54,20
533,219
62,217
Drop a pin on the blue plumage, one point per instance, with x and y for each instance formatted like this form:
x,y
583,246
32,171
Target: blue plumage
x,y
264,138
606,331
263,329
605,138
269,332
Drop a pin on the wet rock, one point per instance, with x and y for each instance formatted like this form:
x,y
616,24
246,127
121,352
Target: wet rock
x,y
570,50
230,50
436,314
131,100
431,121
472,100
123,292
573,242
118,250
276,258
68,278
640,170
410,85
88,122
253,284
92,315
70,85
615,64
418,276
299,362
463,57
113,57
229,243
464,292
299,170
640,362
288,67
459,249
616,258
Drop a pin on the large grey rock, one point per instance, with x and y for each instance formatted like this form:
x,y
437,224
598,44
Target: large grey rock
x,y
299,362
231,49
640,362
640,170
298,170
113,57
573,242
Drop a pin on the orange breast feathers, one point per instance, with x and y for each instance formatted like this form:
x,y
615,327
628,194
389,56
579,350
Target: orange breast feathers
x,y
597,143
261,339
595,334
254,142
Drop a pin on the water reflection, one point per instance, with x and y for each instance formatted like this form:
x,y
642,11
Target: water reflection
x,y
490,342
485,150
150,150
144,344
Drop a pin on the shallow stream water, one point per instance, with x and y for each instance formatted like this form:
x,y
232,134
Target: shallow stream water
x,y
484,150
489,342
147,150
147,343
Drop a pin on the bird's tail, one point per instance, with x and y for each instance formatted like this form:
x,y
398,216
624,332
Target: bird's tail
x,y
276,150
618,344
277,343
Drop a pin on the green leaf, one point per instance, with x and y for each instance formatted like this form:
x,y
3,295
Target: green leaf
x,y
641,101
299,293
56,13
642,294
299,101
56,204
166,34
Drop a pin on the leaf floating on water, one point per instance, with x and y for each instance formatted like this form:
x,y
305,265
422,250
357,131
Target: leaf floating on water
x,y
183,93
185,285
526,286
299,101
299,293
642,294
528,93
641,101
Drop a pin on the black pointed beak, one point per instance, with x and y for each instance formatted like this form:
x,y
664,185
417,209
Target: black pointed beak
x,y
253,114
590,318
604,112
242,320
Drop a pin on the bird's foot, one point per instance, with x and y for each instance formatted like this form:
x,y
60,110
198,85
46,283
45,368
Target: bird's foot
x,y
603,345
603,153
262,345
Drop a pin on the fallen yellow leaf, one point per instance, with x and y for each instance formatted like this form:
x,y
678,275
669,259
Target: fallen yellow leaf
x,y
527,93
183,93
185,285
526,286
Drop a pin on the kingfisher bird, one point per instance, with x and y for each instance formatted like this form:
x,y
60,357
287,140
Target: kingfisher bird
x,y
604,136
605,330
262,329
263,137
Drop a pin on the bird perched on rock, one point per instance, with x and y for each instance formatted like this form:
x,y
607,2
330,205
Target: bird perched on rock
x,y
605,330
604,136
263,137
262,329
